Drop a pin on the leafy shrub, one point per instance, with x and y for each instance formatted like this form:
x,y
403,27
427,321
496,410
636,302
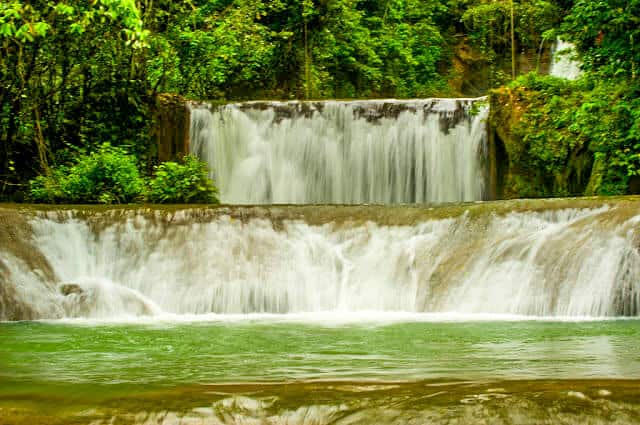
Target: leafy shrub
x,y
581,137
47,188
107,176
187,182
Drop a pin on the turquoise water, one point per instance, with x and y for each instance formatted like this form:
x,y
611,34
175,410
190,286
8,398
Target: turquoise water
x,y
129,371
263,351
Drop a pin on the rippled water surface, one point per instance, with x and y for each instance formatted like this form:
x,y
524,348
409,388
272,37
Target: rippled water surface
x,y
268,350
279,369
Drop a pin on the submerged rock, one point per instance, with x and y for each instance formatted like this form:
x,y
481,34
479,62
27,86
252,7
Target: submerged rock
x,y
101,298
70,288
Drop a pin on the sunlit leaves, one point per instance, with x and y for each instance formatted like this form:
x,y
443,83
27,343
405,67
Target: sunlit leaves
x,y
64,9
21,22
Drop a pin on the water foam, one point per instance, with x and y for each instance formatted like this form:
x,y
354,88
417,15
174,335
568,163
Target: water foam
x,y
564,63
573,264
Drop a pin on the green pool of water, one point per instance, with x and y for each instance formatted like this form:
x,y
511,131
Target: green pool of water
x,y
87,372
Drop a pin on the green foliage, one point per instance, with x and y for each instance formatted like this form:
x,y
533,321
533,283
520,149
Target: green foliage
x,y
188,182
76,73
489,26
607,33
586,131
109,175
568,126
274,48
70,74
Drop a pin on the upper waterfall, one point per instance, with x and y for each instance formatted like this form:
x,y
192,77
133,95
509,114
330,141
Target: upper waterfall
x,y
564,63
344,152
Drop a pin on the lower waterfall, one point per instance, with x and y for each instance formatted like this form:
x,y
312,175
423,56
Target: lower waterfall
x,y
558,262
379,151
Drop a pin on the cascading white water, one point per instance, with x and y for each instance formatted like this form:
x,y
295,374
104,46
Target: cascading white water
x,y
386,151
564,63
554,263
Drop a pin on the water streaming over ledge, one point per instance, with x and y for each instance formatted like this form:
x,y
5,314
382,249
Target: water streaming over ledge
x,y
564,63
344,152
566,262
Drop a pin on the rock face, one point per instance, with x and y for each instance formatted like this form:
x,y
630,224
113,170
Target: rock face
x,y
10,306
473,71
504,148
100,298
16,301
513,175
70,288
171,126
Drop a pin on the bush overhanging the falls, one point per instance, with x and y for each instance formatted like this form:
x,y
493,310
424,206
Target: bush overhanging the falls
x,y
182,183
110,175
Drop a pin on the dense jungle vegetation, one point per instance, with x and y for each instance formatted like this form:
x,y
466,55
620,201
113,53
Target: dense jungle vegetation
x,y
578,137
80,78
